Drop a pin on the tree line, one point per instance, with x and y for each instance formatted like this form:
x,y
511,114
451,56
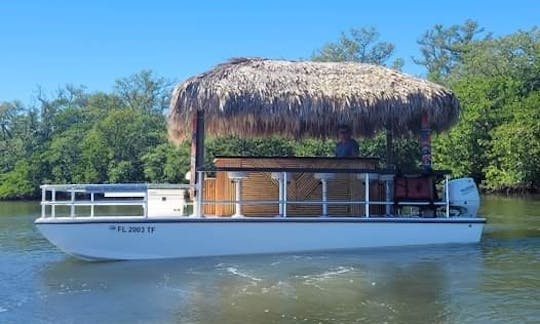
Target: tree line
x,y
74,136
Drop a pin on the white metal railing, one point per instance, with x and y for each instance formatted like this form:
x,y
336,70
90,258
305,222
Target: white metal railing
x,y
134,194
139,197
283,202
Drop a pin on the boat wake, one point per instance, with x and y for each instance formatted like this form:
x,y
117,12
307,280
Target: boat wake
x,y
318,280
239,273
327,274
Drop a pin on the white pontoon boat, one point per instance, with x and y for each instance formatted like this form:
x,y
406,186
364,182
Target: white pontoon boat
x,y
166,228
286,204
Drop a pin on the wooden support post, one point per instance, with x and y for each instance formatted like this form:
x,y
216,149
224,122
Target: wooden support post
x,y
425,142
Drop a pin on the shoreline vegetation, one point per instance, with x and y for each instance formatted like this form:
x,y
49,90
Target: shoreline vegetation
x,y
73,136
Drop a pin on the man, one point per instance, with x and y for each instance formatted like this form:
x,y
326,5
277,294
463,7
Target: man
x,y
346,146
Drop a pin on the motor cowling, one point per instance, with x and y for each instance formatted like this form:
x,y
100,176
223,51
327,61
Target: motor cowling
x,y
464,197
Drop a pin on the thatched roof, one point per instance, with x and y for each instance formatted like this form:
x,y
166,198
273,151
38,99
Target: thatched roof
x,y
258,97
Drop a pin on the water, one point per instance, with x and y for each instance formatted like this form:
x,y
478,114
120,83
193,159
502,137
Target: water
x,y
496,281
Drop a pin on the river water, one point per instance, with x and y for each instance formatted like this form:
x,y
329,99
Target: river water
x,y
496,281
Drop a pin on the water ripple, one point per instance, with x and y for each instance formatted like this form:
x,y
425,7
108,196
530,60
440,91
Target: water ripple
x,y
239,273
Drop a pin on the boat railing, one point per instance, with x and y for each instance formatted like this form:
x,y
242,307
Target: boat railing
x,y
237,174
94,195
77,195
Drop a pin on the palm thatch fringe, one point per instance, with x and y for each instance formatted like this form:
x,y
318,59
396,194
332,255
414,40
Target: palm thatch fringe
x,y
259,97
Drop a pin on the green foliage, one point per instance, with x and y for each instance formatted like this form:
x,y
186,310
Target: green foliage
x,y
358,45
94,159
122,171
443,48
515,56
166,163
63,156
75,136
515,153
236,146
463,149
21,182
497,139
406,150
314,147
114,147
144,92
8,114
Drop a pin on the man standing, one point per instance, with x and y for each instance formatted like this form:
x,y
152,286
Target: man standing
x,y
346,146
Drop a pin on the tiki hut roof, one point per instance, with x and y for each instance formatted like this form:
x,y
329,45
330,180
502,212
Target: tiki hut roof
x,y
259,97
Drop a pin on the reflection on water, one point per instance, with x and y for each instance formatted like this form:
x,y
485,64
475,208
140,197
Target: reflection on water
x,y
511,217
495,281
350,286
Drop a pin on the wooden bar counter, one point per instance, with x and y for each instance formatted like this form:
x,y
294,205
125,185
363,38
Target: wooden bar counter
x,y
301,186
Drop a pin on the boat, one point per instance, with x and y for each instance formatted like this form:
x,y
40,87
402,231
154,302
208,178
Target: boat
x,y
253,205
165,229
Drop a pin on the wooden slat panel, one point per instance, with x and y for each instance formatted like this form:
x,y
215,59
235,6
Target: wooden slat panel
x,y
301,186
338,189
357,193
209,193
224,187
258,186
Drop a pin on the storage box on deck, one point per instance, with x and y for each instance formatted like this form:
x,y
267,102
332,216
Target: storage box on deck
x,y
166,202
302,186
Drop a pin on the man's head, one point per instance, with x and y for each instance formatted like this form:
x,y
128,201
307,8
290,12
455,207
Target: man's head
x,y
344,132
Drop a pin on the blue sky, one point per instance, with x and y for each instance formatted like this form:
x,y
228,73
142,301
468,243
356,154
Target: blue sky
x,y
92,43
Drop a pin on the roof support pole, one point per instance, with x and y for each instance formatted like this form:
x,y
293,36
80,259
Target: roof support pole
x,y
389,148
197,159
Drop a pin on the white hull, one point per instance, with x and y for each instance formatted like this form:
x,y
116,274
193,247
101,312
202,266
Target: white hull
x,y
102,238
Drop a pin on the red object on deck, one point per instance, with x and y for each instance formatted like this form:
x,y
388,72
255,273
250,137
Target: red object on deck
x,y
414,188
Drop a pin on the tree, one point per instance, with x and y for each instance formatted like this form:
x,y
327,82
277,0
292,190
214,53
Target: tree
x,y
485,106
166,163
94,158
113,148
314,147
237,146
359,45
64,156
52,112
8,115
21,182
496,140
443,48
515,151
72,136
515,56
144,92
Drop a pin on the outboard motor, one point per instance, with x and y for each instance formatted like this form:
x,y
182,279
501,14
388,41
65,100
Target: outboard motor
x,y
464,197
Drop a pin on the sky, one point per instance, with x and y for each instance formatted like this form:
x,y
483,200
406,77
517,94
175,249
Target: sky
x,y
52,43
